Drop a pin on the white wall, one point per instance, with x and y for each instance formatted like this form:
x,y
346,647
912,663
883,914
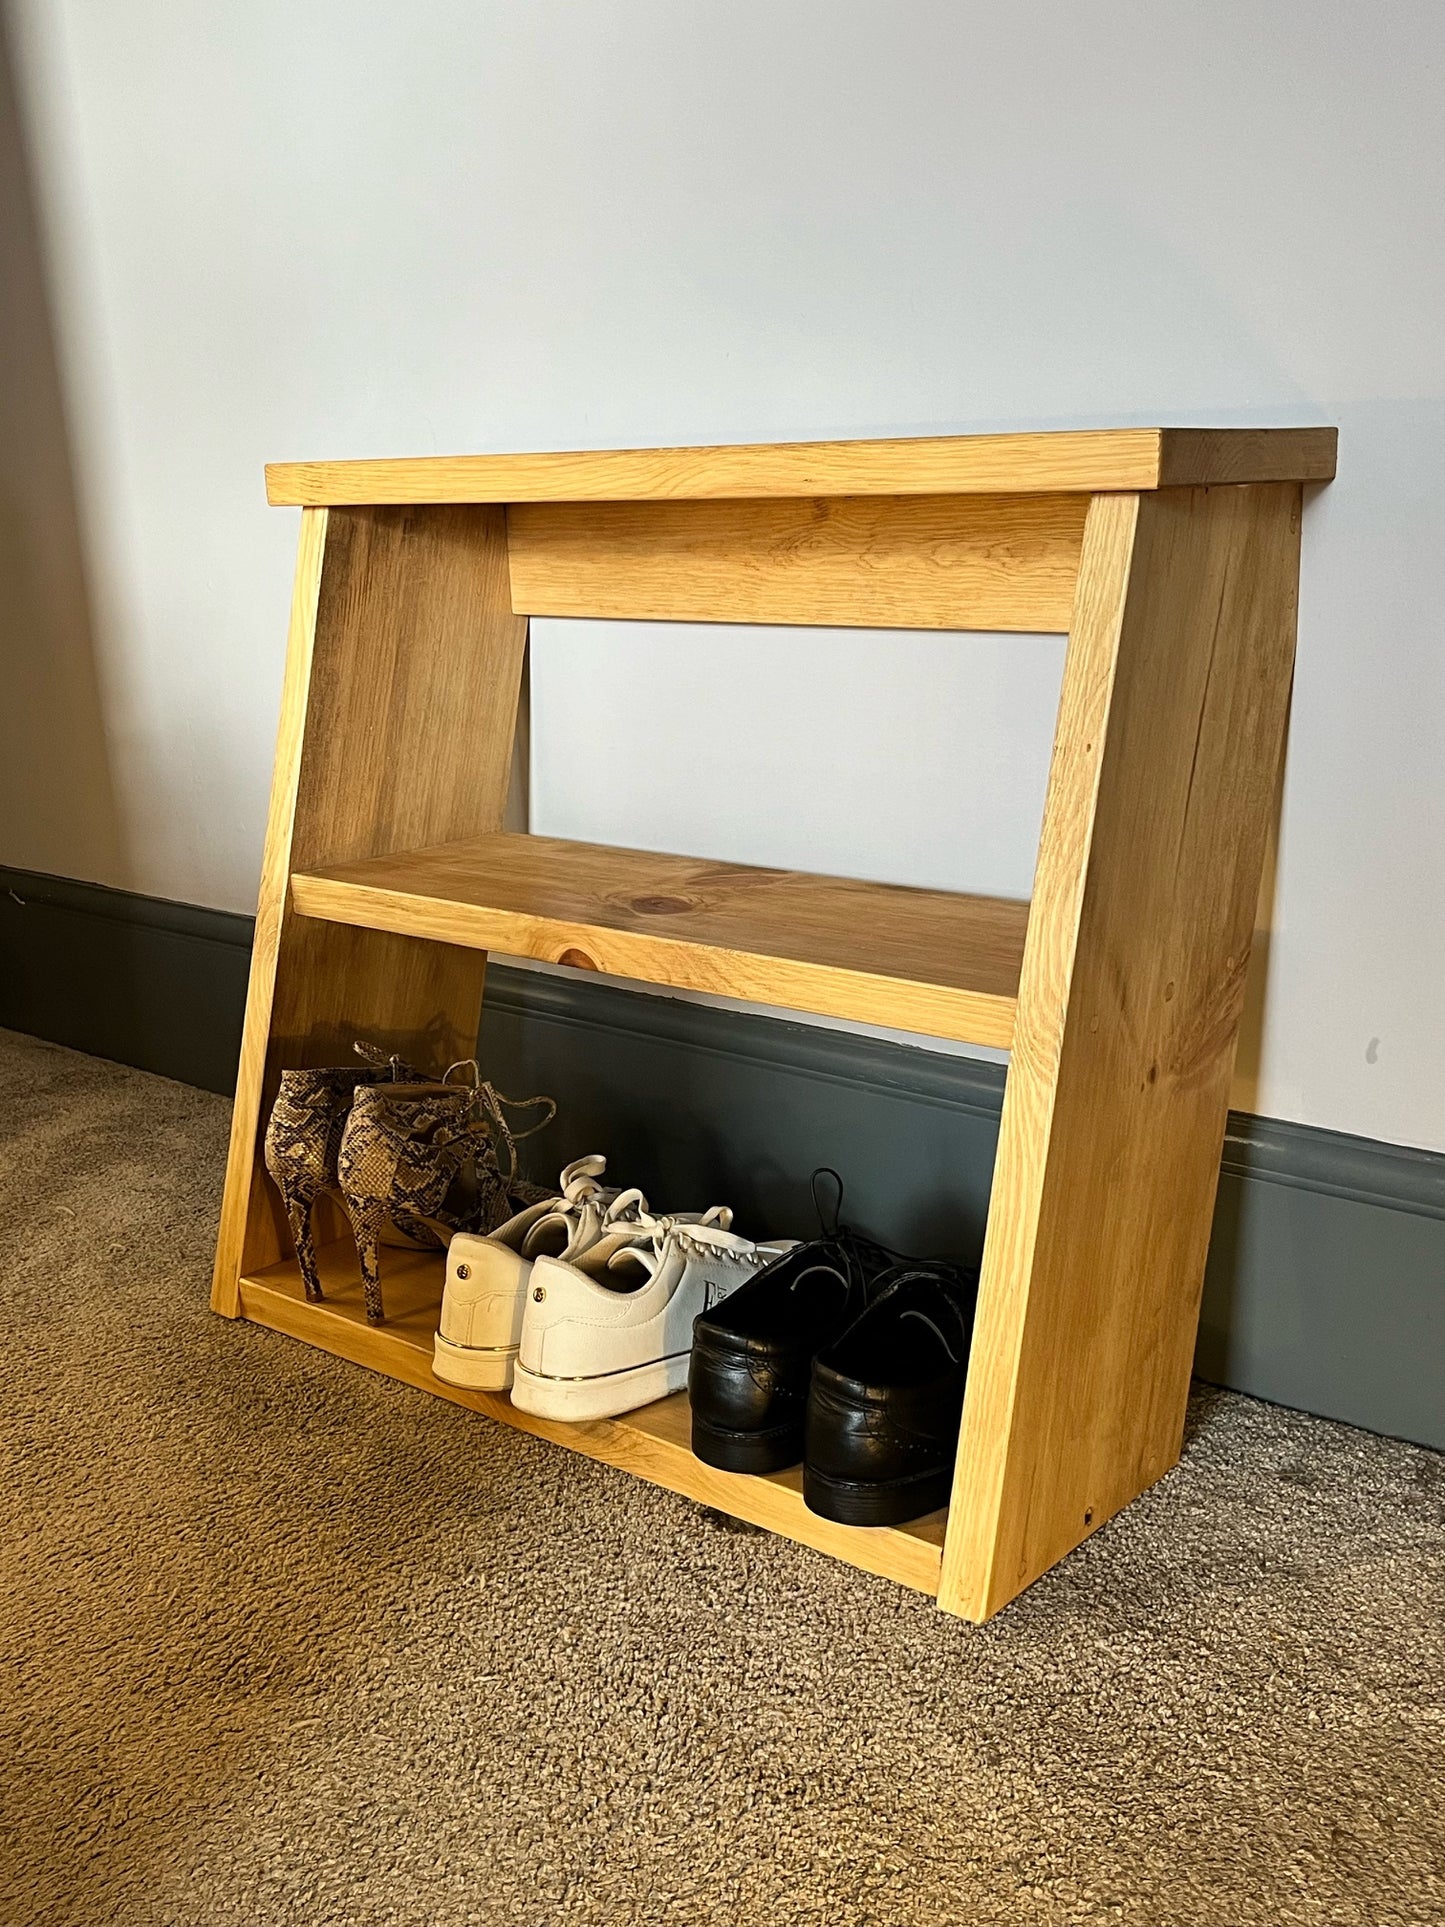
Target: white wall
x,y
358,227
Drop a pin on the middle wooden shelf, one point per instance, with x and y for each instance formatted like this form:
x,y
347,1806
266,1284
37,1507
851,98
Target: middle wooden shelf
x,y
931,961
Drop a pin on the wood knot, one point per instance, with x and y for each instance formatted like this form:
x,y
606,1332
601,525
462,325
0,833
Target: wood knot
x,y
662,906
578,959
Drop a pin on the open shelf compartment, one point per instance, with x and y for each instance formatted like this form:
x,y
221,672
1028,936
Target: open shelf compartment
x,y
653,1443
922,960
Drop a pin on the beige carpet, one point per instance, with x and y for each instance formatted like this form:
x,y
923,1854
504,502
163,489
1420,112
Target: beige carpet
x,y
283,1642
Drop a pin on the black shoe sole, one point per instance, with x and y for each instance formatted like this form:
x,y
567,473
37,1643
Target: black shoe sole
x,y
746,1451
853,1502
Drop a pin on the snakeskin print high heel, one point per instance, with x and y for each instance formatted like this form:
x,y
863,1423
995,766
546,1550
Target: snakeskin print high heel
x,y
428,1159
303,1139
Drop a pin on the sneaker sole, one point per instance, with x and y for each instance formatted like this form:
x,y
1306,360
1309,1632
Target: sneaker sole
x,y
478,1368
579,1399
853,1502
746,1451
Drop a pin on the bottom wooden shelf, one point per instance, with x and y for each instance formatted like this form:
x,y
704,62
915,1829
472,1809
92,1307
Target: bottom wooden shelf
x,y
652,1443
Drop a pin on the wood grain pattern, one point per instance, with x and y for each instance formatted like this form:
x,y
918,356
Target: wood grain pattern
x,y
1071,461
1119,990
995,562
241,1184
653,1443
1175,693
1216,457
398,711
921,960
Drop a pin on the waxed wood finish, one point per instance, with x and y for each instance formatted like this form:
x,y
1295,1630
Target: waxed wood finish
x,y
996,562
654,1443
1070,461
1118,989
242,1200
398,712
1171,725
922,960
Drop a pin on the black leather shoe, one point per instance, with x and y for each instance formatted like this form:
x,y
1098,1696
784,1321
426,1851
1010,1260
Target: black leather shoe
x,y
752,1355
886,1399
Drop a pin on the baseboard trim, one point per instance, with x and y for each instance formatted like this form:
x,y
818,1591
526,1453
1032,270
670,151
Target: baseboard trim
x,y
1397,1177
1262,1149
155,984
32,890
1325,1282
807,1050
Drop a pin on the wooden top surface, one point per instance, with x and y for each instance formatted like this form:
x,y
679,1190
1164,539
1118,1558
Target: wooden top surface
x,y
1086,461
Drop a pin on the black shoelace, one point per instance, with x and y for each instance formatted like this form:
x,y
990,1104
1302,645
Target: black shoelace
x,y
862,1259
869,1268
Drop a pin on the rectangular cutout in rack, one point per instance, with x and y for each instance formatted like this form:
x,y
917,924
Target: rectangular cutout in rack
x,y
921,960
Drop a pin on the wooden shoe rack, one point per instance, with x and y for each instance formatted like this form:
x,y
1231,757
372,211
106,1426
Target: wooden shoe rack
x,y
1170,556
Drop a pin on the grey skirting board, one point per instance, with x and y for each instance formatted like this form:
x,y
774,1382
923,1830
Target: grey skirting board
x,y
1326,1280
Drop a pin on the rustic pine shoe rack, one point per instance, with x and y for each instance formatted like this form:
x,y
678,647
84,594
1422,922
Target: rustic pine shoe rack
x,y
1170,556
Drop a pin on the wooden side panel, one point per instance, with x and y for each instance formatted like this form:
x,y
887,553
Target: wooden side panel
x,y
908,562
398,711
1171,723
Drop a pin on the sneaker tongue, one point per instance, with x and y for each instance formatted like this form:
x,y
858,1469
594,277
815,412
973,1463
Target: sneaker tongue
x,y
549,1237
597,1255
643,1256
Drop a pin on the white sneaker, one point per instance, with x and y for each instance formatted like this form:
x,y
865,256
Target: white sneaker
x,y
486,1288
606,1335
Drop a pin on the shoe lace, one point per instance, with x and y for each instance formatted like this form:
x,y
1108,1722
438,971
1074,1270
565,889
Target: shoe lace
x,y
706,1240
580,1198
861,1259
630,1211
492,1104
706,1234
380,1060
578,1184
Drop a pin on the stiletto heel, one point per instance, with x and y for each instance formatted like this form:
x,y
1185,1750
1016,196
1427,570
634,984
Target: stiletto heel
x,y
300,1203
423,1158
366,1228
303,1138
